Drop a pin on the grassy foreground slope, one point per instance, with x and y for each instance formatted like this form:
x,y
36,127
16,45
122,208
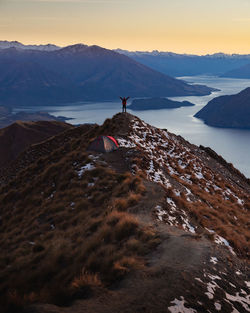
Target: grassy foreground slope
x,y
157,225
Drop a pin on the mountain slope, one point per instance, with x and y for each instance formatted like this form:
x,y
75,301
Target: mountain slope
x,y
17,137
159,225
228,111
241,72
78,73
178,65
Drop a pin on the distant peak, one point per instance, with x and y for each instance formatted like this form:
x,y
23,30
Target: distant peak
x,y
74,48
87,50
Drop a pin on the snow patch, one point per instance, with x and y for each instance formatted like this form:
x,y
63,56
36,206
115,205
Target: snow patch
x,y
247,283
212,285
244,301
213,260
126,143
217,306
86,167
179,307
222,241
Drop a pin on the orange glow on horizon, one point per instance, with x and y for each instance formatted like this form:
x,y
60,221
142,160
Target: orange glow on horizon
x,y
196,27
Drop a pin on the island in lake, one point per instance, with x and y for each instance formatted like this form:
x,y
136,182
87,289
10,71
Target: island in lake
x,y
228,111
7,116
157,104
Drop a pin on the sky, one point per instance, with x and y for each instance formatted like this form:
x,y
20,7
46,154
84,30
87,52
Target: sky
x,y
181,26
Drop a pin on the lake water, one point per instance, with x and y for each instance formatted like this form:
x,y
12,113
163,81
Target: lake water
x,y
232,144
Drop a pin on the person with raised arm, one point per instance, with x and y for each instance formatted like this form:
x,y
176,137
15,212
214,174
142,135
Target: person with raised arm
x,y
124,104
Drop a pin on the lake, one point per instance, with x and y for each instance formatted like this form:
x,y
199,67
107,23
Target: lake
x,y
232,144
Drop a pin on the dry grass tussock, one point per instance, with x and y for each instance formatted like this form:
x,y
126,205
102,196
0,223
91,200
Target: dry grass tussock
x,y
64,234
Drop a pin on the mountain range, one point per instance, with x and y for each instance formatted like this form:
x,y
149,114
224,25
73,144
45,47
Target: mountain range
x,y
81,73
169,63
159,225
4,44
178,65
228,111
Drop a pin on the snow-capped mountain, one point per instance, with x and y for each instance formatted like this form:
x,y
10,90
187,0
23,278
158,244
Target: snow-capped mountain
x,y
178,65
15,44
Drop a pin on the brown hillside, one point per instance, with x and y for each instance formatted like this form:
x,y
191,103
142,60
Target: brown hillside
x,y
17,137
157,226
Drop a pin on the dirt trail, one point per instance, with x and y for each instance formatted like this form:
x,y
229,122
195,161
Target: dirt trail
x,y
171,270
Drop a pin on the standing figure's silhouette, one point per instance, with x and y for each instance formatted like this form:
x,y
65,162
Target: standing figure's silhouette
x,y
124,104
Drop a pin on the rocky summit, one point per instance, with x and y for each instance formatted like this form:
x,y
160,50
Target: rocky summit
x,y
159,225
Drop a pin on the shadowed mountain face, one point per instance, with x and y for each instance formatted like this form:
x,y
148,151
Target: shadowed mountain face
x,y
17,137
157,225
241,72
228,111
78,73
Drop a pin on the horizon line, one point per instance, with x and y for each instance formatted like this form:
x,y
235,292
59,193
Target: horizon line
x,y
122,49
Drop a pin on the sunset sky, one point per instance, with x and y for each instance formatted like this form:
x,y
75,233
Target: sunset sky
x,y
190,26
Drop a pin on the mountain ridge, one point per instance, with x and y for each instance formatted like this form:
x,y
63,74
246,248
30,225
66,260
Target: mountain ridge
x,y
157,225
81,73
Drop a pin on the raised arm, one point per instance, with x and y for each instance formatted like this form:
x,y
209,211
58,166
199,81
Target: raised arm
x,y
121,98
127,98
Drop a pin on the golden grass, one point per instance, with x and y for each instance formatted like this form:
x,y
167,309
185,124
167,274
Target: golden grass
x,y
55,223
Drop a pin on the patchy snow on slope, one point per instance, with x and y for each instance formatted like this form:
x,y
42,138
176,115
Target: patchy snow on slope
x,y
199,175
86,167
222,241
217,306
244,301
228,192
157,175
211,286
125,143
170,216
186,224
160,212
213,260
179,307
167,159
